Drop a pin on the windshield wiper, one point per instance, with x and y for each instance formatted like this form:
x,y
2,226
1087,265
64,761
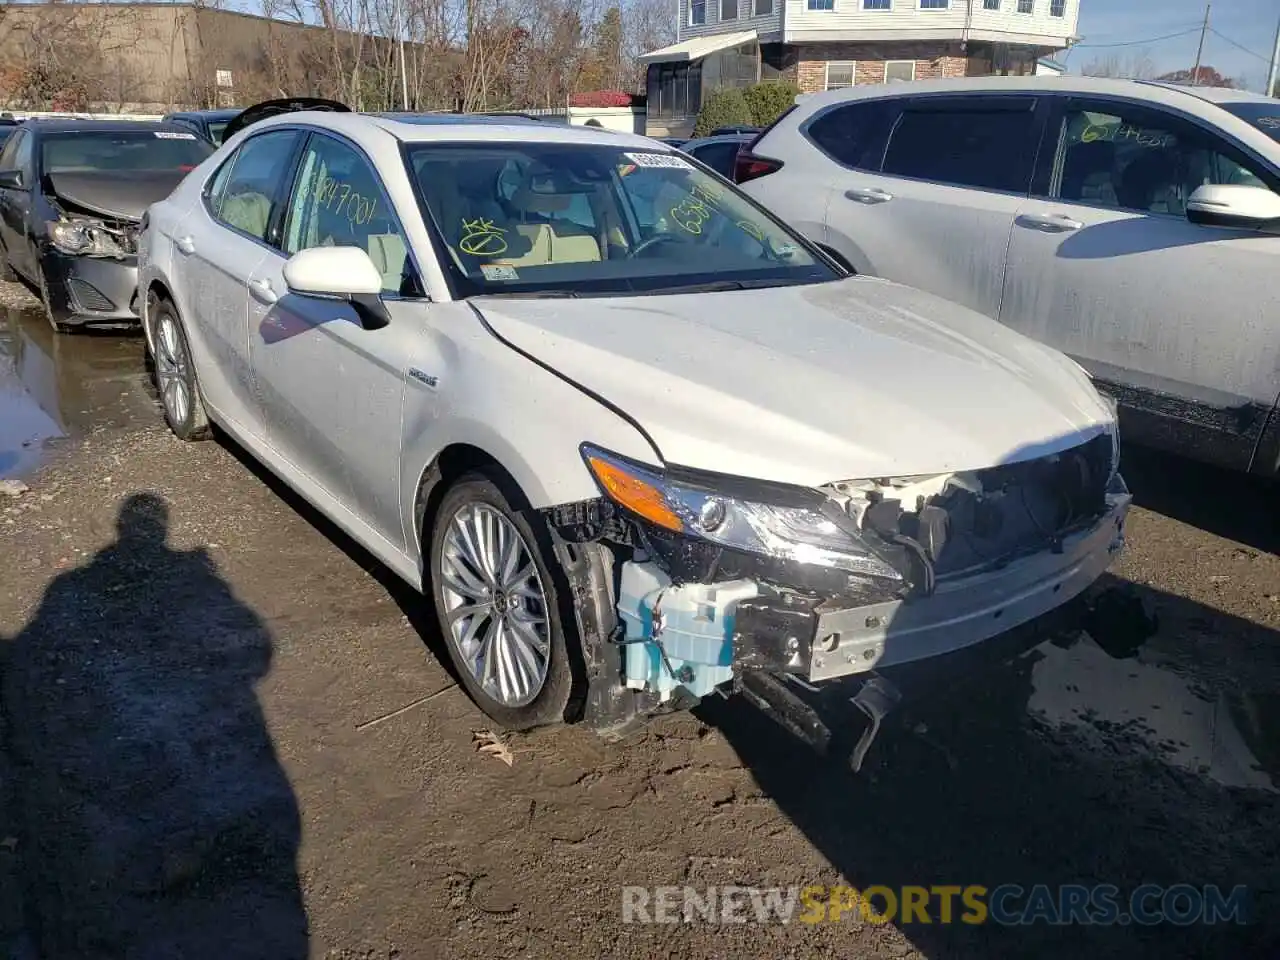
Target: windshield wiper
x,y
717,286
531,294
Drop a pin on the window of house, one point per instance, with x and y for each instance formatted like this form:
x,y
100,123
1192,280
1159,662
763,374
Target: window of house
x,y
820,4
877,4
1057,8
728,9
697,13
764,8
990,147
1141,160
674,90
990,4
899,71
1026,6
934,4
854,134
839,75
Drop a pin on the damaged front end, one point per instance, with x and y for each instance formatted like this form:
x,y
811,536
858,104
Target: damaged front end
x,y
89,262
775,591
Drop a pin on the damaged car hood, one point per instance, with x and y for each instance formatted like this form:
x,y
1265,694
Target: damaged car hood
x,y
812,384
122,196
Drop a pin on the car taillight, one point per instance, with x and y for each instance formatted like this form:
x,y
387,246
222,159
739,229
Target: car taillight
x,y
747,166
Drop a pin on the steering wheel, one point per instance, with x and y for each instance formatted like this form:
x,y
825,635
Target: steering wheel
x,y
653,241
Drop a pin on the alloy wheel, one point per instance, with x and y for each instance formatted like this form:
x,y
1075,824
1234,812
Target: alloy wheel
x,y
172,369
494,604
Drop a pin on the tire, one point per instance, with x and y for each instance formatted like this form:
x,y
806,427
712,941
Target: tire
x,y
457,582
7,273
175,376
48,309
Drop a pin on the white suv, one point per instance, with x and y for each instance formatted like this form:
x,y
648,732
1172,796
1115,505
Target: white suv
x,y
1131,225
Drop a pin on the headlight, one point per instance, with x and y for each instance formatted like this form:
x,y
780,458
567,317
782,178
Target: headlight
x,y
84,238
786,532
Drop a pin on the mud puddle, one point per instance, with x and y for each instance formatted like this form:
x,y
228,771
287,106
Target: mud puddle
x,y
54,386
1150,708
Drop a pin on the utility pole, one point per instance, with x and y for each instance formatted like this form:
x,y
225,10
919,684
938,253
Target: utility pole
x,y
1195,72
1275,66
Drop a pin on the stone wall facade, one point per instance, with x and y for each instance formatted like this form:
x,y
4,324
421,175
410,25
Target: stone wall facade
x,y
933,60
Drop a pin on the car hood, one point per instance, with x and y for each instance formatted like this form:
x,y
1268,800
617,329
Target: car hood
x,y
123,196
854,379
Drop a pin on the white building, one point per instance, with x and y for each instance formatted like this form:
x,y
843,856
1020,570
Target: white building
x,y
823,44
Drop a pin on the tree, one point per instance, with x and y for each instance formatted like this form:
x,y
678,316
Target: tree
x,y
1203,77
1137,67
724,107
767,101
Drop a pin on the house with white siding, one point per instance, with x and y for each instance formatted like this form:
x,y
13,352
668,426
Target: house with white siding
x,y
825,44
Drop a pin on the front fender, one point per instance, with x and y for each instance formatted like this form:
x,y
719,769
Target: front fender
x,y
488,396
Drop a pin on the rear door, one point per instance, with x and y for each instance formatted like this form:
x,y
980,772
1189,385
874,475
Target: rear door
x,y
216,248
1177,320
932,204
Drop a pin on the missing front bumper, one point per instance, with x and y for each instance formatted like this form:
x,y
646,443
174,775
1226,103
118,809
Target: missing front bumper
x,y
696,637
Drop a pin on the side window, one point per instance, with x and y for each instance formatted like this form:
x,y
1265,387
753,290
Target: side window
x,y
338,201
990,147
245,198
1139,159
22,159
10,150
854,135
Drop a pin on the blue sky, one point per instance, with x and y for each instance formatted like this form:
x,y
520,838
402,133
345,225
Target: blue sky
x,y
1249,23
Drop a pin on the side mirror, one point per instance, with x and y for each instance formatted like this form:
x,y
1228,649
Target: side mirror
x,y
1235,205
11,179
340,273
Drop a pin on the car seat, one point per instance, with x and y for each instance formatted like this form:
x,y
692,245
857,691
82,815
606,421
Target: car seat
x,y
1087,172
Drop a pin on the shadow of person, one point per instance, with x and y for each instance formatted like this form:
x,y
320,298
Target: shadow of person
x,y
154,818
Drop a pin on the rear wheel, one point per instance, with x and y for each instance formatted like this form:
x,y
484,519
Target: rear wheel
x,y
496,586
176,376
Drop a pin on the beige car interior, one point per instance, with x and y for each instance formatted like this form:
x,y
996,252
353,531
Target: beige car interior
x,y
559,241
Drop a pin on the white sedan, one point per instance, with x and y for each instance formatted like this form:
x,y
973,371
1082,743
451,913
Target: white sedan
x,y
632,437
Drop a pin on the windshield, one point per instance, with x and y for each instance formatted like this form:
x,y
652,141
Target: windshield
x,y
216,129
1264,114
583,219
88,151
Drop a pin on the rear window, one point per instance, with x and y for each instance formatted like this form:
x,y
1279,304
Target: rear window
x,y
88,151
218,130
1264,115
990,147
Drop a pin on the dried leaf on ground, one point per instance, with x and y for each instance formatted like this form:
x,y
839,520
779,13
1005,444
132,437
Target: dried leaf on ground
x,y
490,743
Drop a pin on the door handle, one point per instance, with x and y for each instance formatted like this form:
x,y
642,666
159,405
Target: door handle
x,y
185,244
868,195
1050,222
261,290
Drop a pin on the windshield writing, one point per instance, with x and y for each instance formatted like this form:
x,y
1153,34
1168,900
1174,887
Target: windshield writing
x,y
590,219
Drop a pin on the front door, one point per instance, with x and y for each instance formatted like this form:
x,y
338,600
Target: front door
x,y
1176,320
332,390
16,204
217,247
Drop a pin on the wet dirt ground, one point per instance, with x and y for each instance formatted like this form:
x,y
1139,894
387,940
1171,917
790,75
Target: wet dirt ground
x,y
229,734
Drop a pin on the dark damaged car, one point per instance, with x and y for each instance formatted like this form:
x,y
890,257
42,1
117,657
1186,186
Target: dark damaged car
x,y
72,196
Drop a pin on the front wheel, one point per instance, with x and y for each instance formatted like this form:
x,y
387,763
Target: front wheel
x,y
496,586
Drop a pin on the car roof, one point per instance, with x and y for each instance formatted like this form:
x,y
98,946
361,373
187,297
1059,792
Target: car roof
x,y
1167,94
455,128
89,125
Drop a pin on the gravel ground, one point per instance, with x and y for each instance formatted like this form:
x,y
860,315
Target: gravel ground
x,y
230,735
